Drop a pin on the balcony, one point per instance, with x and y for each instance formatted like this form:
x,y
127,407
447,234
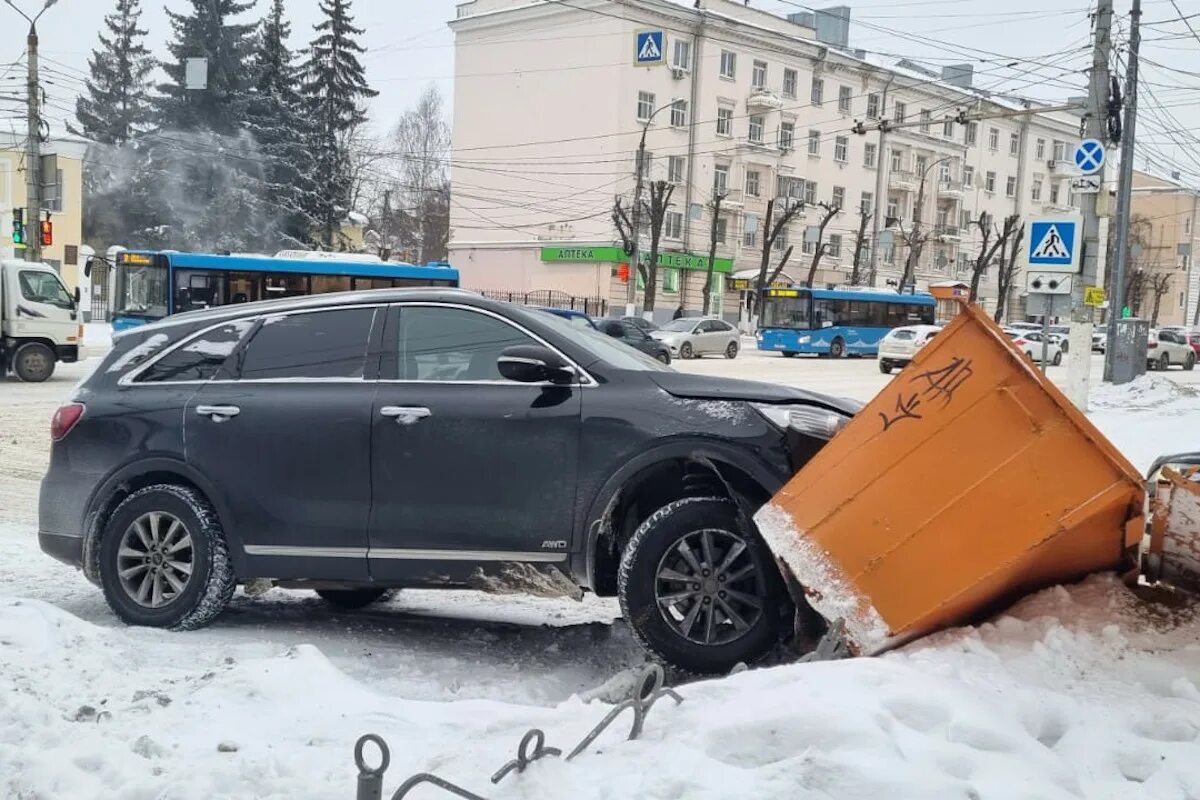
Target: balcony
x,y
1057,165
755,144
902,180
734,198
950,189
763,100
949,233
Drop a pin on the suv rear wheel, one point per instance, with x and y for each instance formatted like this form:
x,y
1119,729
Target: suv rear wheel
x,y
698,590
163,559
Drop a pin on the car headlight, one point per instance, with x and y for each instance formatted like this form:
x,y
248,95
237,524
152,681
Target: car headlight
x,y
810,420
758,336
804,339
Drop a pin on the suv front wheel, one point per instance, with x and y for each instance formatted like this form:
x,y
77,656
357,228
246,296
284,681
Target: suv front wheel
x,y
698,590
163,559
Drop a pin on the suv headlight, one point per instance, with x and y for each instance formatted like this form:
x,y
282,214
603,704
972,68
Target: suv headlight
x,y
810,420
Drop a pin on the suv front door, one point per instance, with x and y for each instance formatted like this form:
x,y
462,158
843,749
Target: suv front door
x,y
467,466
287,442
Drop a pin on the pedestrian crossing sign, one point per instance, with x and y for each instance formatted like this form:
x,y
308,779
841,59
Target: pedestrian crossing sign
x,y
1053,244
649,48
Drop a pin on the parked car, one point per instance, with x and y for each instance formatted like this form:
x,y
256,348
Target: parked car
x,y
625,331
1194,341
691,337
1165,348
1030,343
899,345
577,318
357,443
1099,339
643,323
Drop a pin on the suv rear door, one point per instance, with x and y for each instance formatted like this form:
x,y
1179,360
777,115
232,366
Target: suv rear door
x,y
287,439
467,466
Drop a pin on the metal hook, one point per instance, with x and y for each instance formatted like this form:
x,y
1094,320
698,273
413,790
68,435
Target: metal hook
x,y
645,694
370,780
524,757
426,777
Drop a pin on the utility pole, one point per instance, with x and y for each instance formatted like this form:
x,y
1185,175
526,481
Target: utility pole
x,y
636,221
1124,189
1093,206
33,139
880,185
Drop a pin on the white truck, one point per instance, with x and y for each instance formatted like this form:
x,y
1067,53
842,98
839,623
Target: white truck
x,y
39,321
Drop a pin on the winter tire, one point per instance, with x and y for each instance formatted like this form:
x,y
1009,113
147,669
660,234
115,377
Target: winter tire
x,y
789,354
163,559
685,351
732,350
1057,358
1189,363
837,349
353,599
885,367
1164,362
665,358
698,590
33,362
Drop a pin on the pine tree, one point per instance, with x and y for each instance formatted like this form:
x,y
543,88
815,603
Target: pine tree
x,y
115,105
334,88
207,32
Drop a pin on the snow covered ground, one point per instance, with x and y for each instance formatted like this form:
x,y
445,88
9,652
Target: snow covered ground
x,y
1077,692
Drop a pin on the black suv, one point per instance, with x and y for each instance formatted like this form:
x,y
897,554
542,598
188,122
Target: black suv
x,y
355,443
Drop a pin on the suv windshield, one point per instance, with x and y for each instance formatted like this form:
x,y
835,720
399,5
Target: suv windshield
x,y
601,345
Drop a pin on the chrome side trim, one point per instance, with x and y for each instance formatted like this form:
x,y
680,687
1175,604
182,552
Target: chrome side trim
x,y
305,552
462,555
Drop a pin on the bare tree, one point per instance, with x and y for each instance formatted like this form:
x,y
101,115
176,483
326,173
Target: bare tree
x,y
715,208
1135,290
860,245
915,238
1007,273
772,229
988,248
656,212
822,248
422,141
1160,284
620,218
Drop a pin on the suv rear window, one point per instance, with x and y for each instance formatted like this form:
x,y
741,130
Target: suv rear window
x,y
201,358
904,335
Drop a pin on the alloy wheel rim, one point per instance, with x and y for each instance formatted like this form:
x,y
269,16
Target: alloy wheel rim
x,y
708,588
155,559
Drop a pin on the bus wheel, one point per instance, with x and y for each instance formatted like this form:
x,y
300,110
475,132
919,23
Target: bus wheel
x,y
837,349
33,362
885,367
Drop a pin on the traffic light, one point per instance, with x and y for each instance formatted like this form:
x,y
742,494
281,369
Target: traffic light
x,y
18,226
47,232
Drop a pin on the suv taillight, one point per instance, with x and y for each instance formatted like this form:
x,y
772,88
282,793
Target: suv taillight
x,y
65,419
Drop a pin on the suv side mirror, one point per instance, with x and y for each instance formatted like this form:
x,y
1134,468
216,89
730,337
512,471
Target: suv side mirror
x,y
534,364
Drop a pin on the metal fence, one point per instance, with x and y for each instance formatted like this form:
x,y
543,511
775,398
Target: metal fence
x,y
593,306
99,279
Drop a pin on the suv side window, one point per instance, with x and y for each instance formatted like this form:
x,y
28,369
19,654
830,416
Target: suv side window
x,y
318,344
202,357
437,343
632,332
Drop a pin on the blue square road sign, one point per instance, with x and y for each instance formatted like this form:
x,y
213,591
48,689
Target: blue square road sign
x,y
649,48
1053,243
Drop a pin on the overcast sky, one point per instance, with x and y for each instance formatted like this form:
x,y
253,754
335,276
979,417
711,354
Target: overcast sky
x,y
409,47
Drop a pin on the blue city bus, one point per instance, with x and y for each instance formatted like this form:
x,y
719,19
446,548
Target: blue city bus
x,y
836,322
151,285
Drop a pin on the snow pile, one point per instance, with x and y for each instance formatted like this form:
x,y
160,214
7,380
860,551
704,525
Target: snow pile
x,y
1143,393
1079,692
1148,417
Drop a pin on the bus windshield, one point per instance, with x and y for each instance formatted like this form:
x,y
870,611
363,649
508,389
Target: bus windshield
x,y
142,290
786,312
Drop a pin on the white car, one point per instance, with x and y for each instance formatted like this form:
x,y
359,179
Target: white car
x,y
1030,343
899,346
1165,348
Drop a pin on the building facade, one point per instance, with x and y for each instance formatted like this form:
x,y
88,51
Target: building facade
x,y
552,100
1163,222
62,197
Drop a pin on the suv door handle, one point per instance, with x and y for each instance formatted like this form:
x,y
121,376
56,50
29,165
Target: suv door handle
x,y
405,415
218,413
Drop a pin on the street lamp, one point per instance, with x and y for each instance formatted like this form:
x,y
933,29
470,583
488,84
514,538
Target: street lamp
x,y
32,22
631,289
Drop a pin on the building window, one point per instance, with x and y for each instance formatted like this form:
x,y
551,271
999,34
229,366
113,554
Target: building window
x,y
968,177
679,113
818,91
1014,144
670,282
919,164
867,203
964,220
683,54
839,197
752,182
675,166
1010,187
814,143
758,75
645,106
1054,193
728,64
897,161
789,83
873,109
1035,190
810,193
749,230
787,135
945,171
926,119
835,245
695,211
990,182
841,149
899,110
870,155
1060,150
1187,224
724,121
781,240
722,228
721,179
756,127
972,133
807,247
673,225
789,187
993,138
893,209
844,95
948,129
52,200
1040,152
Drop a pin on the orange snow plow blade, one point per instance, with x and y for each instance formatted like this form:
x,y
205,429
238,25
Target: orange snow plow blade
x,y
968,481
1171,554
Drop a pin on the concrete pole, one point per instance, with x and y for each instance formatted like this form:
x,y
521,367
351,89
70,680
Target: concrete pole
x,y
33,152
882,162
636,224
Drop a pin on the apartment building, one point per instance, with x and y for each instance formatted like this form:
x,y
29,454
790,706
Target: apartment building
x,y
551,101
1163,220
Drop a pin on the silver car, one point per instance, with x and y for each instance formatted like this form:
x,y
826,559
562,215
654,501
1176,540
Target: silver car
x,y
691,337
